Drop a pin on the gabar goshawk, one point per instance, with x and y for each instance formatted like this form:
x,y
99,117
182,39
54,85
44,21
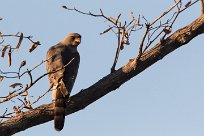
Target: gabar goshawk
x,y
62,65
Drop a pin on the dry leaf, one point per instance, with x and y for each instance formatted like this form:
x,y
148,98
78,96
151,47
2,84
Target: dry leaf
x,y
4,51
32,47
188,4
114,20
131,14
125,34
16,110
126,42
65,7
15,85
1,78
167,31
118,19
106,30
138,21
26,94
23,63
122,47
20,41
9,57
135,21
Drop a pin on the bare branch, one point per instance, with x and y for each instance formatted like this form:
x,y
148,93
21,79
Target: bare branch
x,y
202,6
112,81
91,14
117,51
124,30
20,36
142,43
10,96
166,12
189,5
30,76
108,83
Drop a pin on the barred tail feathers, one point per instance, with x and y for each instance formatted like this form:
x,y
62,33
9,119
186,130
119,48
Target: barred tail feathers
x,y
59,95
59,111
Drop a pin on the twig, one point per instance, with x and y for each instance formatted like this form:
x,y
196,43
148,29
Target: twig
x,y
126,29
117,51
10,96
166,24
202,6
148,44
177,14
30,76
42,95
21,101
18,75
16,35
142,43
4,115
189,5
91,14
166,12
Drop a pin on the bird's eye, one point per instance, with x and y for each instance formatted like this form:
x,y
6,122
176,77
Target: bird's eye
x,y
73,37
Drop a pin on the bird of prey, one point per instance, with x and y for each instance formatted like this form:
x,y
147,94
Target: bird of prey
x,y
62,67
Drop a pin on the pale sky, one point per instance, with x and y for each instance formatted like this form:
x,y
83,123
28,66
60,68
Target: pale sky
x,y
164,100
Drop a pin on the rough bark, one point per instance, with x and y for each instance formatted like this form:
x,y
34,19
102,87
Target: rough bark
x,y
108,83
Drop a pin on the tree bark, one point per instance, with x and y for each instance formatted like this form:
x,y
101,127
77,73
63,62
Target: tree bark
x,y
44,113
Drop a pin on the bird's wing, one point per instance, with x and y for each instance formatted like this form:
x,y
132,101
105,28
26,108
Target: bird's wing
x,y
70,72
55,63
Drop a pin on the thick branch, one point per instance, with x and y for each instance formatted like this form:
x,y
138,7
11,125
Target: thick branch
x,y
107,84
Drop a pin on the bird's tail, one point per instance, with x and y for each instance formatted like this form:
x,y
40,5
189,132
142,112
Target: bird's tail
x,y
60,107
59,111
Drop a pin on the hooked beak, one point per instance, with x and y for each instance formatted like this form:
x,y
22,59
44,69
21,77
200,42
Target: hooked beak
x,y
78,40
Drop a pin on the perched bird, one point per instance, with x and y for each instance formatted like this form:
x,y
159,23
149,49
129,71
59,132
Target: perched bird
x,y
62,67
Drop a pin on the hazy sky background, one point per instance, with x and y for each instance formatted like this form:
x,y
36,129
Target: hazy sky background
x,y
165,100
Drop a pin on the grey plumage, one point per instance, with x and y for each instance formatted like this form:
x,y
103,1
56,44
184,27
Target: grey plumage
x,y
63,62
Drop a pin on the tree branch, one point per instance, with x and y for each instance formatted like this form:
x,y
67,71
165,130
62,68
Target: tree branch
x,y
107,84
202,6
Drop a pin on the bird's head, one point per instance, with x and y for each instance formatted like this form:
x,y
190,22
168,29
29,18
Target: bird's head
x,y
72,39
